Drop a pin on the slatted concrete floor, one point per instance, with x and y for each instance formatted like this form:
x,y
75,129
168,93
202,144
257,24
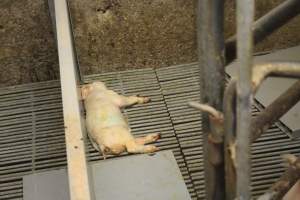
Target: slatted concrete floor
x,y
32,139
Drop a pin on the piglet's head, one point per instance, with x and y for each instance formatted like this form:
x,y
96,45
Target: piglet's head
x,y
99,85
88,88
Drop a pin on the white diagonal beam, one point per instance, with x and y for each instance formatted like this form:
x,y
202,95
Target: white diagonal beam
x,y
78,170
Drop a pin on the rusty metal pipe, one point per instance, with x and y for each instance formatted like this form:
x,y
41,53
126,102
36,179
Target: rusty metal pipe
x,y
266,25
259,124
287,180
211,49
229,139
275,111
265,118
261,71
245,17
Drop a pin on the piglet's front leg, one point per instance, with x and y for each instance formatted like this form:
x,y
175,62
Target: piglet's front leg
x,y
131,100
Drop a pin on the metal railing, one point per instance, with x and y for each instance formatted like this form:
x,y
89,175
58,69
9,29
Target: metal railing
x,y
228,127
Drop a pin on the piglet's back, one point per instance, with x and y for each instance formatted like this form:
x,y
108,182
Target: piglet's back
x,y
101,112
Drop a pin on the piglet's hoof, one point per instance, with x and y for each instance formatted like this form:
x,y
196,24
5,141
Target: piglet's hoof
x,y
147,99
157,136
151,149
153,137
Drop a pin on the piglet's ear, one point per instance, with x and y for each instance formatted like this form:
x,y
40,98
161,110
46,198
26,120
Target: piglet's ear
x,y
85,90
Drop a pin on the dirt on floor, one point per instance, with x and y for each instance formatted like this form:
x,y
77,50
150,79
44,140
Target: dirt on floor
x,y
27,47
112,35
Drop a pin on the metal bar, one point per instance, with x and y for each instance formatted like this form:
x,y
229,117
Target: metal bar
x,y
283,69
229,139
264,120
245,17
286,181
266,25
210,36
75,134
275,111
77,66
52,16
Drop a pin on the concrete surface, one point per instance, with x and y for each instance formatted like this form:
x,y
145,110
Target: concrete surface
x,y
138,177
111,35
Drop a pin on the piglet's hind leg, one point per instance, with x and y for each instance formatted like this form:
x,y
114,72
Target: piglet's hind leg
x,y
103,151
147,139
137,148
94,144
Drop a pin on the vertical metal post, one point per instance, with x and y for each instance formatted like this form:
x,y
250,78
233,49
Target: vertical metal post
x,y
245,17
212,78
229,109
78,170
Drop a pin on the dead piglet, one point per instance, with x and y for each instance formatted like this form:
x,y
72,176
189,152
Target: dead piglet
x,y
107,128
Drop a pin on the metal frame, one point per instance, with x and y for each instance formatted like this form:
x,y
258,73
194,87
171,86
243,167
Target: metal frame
x,y
227,166
229,103
211,64
244,96
75,134
235,124
266,25
286,181
275,111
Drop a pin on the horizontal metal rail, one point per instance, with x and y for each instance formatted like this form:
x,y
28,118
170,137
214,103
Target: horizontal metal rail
x,y
275,111
282,69
266,25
